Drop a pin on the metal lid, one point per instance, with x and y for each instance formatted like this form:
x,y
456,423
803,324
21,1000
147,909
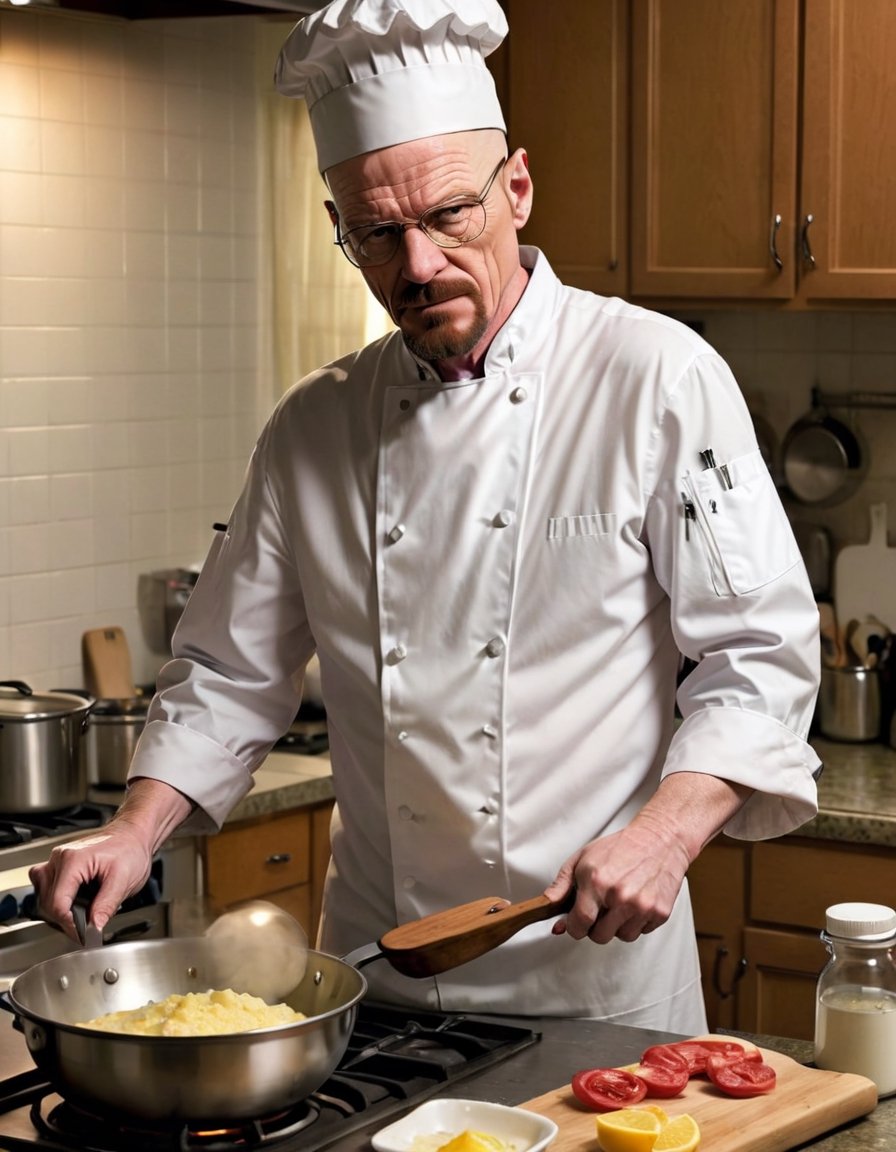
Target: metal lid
x,y
19,703
857,921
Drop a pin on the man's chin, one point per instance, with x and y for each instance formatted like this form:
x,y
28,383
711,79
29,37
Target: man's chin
x,y
445,340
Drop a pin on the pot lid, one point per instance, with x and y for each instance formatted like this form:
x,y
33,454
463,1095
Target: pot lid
x,y
18,702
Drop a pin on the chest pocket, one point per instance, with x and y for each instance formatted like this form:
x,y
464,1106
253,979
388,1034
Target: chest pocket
x,y
587,524
743,526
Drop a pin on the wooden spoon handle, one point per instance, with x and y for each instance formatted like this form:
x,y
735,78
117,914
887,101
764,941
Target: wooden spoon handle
x,y
447,939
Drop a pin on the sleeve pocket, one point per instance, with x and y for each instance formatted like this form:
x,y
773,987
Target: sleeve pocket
x,y
746,527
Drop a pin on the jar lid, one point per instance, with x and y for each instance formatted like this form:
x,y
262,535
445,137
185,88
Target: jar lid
x,y
857,921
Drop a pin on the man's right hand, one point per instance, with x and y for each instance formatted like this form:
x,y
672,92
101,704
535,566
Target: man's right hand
x,y
119,855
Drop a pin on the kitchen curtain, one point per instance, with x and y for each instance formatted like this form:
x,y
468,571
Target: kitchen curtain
x,y
318,305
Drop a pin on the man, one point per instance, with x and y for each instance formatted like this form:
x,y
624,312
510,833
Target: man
x,y
499,528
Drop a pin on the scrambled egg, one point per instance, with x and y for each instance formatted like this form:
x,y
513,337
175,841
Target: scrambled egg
x,y
197,1014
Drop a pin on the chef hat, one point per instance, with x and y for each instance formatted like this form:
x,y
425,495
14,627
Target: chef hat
x,y
381,72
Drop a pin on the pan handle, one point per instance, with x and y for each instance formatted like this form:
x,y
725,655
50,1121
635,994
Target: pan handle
x,y
361,957
447,939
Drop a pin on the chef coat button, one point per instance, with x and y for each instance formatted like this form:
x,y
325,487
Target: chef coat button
x,y
398,654
495,647
402,736
396,534
504,518
409,882
405,404
490,730
518,395
405,813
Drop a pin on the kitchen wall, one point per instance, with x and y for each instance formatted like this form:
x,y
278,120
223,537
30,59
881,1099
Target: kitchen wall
x,y
778,357
129,334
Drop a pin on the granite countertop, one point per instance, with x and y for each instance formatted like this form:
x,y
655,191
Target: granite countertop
x,y
856,792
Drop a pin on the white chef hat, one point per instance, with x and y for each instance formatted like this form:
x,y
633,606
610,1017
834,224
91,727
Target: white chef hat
x,y
382,72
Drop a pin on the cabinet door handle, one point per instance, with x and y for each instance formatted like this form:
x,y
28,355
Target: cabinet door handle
x,y
279,858
805,246
721,954
773,241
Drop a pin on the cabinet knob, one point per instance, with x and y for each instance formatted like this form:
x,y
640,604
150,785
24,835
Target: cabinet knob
x,y
279,858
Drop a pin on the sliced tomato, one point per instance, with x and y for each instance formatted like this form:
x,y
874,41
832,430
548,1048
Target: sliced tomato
x,y
696,1052
665,1056
663,1080
603,1089
740,1077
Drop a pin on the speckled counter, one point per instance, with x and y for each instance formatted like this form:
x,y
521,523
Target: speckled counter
x,y
856,794
285,781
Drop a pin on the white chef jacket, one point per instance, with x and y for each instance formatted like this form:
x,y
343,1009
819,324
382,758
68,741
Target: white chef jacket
x,y
499,576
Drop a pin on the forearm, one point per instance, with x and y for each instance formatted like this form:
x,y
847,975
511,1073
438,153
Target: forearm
x,y
689,809
154,810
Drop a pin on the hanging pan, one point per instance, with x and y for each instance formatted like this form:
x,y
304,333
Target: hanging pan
x,y
824,459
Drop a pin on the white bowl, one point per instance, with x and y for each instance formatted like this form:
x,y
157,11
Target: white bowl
x,y
524,1131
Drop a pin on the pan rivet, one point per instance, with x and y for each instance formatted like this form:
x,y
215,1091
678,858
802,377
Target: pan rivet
x,y
318,977
191,972
110,976
63,982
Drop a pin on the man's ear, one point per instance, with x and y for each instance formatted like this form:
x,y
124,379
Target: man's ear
x,y
331,212
519,187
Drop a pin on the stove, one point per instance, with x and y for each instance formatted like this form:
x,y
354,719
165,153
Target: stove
x,y
396,1057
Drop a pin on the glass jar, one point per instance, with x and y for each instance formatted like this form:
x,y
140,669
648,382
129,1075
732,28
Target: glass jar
x,y
855,1008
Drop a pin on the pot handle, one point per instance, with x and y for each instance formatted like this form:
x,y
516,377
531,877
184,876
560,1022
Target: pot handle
x,y
20,686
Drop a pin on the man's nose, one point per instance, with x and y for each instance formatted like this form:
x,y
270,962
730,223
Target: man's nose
x,y
421,258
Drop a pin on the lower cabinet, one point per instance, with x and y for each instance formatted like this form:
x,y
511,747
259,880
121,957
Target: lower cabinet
x,y
758,911
282,858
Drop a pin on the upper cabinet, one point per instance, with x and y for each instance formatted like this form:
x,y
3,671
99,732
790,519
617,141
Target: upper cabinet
x,y
692,149
714,148
565,77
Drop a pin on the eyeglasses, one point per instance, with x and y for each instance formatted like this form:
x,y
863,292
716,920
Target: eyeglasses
x,y
449,225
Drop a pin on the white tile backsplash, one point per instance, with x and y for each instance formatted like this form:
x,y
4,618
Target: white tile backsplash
x,y
128,315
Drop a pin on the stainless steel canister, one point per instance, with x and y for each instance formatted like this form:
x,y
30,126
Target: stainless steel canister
x,y
849,704
113,729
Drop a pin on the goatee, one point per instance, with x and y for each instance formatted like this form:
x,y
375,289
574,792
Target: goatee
x,y
442,339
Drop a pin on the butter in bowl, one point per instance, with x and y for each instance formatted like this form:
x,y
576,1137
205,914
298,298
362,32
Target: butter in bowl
x,y
467,1126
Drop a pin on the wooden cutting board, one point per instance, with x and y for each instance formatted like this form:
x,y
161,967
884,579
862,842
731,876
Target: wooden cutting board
x,y
106,660
865,576
805,1103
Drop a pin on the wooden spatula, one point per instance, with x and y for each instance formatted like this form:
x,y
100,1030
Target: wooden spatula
x,y
106,659
446,939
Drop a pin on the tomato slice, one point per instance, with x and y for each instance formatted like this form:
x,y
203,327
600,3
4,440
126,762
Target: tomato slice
x,y
740,1077
663,1080
603,1089
696,1052
665,1056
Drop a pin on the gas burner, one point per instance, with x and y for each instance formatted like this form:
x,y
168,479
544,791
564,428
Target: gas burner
x,y
23,828
70,1126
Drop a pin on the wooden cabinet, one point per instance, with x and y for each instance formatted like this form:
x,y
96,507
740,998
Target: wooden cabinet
x,y
714,139
281,858
692,149
731,195
758,911
565,81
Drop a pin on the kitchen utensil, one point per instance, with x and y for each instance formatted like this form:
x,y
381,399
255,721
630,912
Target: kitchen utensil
x,y
107,664
41,769
213,1079
865,575
824,460
267,949
849,704
805,1103
113,729
444,940
814,543
832,654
